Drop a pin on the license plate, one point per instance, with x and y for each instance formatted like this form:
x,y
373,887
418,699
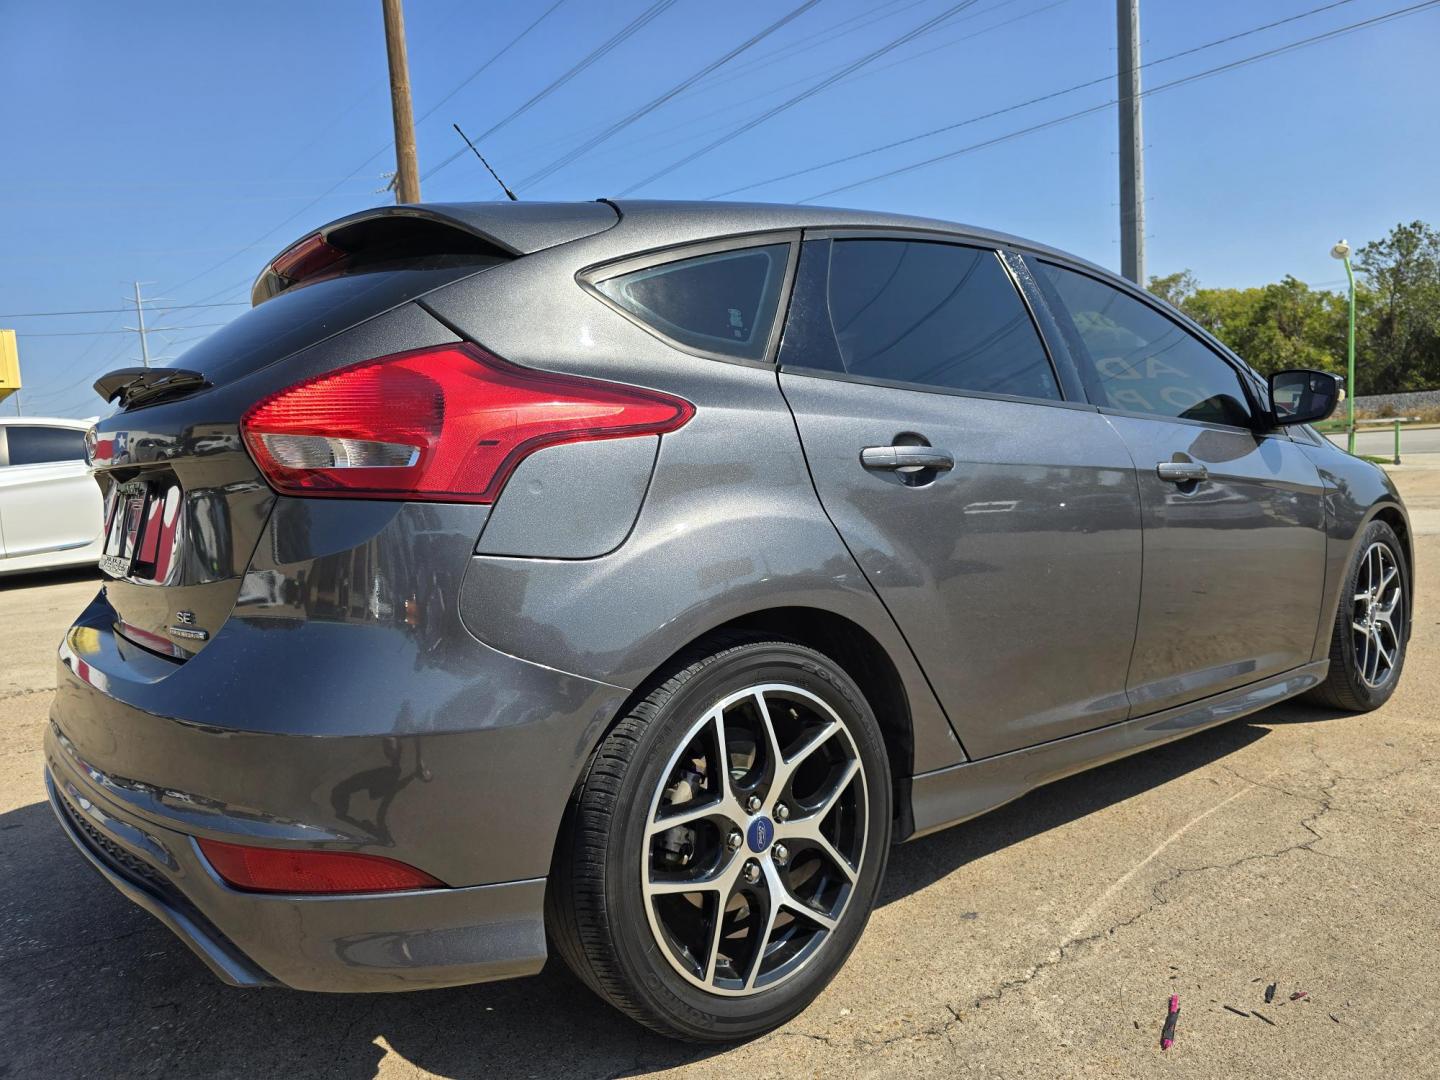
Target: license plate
x,y
129,517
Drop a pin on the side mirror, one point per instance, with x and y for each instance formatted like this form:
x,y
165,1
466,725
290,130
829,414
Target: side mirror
x,y
1303,397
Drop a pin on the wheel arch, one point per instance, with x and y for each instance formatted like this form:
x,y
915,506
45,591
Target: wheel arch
x,y
844,641
1393,514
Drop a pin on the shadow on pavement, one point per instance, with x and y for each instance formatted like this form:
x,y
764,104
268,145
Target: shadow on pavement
x,y
88,983
37,579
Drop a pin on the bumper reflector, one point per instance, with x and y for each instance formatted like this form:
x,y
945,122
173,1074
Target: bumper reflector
x,y
287,870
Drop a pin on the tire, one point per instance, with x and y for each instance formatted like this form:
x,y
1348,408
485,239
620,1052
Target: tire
x,y
1361,678
659,958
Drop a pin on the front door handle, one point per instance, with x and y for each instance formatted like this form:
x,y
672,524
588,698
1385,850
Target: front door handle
x,y
907,457
1181,472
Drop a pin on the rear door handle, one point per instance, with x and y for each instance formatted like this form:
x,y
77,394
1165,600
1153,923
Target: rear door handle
x,y
907,457
1181,472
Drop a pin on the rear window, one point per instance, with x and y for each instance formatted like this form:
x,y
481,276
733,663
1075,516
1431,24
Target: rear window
x,y
919,313
303,316
724,302
38,445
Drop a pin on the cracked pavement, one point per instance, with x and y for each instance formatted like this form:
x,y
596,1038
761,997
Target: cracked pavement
x,y
1297,846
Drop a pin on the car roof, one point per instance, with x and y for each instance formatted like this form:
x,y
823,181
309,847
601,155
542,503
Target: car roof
x,y
722,218
48,421
525,227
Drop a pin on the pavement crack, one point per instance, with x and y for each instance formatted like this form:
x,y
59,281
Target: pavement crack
x,y
26,960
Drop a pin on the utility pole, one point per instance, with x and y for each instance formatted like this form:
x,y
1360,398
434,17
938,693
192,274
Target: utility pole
x,y
140,327
1132,142
407,163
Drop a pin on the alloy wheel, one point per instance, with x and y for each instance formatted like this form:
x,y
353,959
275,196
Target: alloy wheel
x,y
1375,621
754,840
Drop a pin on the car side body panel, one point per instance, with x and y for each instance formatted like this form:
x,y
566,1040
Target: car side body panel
x,y
1230,568
730,525
572,501
1356,492
1024,557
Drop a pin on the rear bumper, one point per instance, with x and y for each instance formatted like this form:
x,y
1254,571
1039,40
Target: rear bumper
x,y
395,941
342,705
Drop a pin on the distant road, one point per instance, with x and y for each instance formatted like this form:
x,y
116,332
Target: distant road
x,y
1381,443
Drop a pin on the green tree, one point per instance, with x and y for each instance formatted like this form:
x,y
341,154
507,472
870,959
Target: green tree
x,y
1288,324
1176,288
1398,340
1282,325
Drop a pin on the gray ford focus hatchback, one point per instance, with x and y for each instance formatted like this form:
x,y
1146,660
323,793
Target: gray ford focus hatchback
x,y
622,579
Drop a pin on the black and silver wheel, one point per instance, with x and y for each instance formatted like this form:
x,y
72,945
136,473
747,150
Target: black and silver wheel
x,y
1367,647
725,848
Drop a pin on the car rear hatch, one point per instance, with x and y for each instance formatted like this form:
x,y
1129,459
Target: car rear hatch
x,y
184,502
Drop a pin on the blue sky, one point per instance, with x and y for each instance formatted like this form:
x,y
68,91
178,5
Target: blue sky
x,y
171,142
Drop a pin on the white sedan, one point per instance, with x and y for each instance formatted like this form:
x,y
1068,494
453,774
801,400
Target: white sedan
x,y
50,506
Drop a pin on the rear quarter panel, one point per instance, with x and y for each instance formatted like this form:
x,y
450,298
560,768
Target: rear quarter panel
x,y
730,524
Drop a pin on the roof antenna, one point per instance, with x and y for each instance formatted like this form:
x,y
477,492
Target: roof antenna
x,y
481,156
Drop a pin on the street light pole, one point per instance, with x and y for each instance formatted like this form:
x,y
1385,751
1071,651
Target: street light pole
x,y
1341,251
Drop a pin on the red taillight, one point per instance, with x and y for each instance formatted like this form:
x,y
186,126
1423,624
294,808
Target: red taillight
x,y
283,870
446,424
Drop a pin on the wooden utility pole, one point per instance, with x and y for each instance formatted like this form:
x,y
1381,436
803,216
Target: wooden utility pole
x,y
407,163
1132,143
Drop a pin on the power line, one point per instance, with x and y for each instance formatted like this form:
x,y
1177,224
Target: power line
x,y
765,59
636,24
1243,62
824,36
108,311
791,102
152,329
531,150
694,121
1025,104
480,70
356,171
655,103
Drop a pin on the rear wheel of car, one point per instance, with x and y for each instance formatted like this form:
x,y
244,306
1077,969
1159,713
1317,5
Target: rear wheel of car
x,y
725,847
1367,645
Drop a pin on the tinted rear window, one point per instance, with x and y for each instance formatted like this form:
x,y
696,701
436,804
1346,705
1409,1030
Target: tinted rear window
x,y
302,316
724,302
917,312
37,445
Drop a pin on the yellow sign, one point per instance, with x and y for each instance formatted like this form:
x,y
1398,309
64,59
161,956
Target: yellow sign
x,y
9,364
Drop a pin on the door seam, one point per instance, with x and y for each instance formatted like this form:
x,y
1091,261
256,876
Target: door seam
x,y
1140,593
810,475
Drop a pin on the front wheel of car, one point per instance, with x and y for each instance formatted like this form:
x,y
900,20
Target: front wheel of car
x,y
1367,644
724,849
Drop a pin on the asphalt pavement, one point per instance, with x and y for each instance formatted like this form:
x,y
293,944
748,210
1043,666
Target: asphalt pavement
x,y
1299,847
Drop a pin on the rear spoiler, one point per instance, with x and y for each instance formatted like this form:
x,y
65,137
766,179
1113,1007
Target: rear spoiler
x,y
508,230
134,385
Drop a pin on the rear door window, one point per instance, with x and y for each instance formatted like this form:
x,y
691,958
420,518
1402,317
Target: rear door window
x,y
920,313
1136,359
41,445
724,302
